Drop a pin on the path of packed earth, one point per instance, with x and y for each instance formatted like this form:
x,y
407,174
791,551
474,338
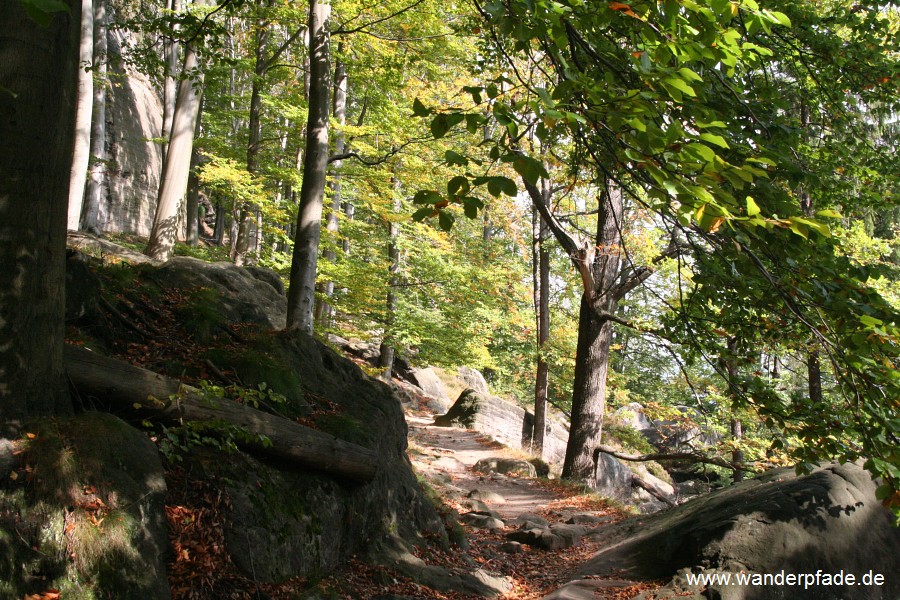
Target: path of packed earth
x,y
556,516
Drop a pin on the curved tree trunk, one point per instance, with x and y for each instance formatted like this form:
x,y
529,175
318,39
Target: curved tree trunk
x,y
84,106
302,290
170,84
97,172
38,74
176,167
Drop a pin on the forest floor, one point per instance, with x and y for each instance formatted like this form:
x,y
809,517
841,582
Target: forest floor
x,y
444,457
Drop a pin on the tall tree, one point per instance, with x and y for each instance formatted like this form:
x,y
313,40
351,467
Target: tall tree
x,y
84,108
541,288
302,289
176,168
38,74
97,171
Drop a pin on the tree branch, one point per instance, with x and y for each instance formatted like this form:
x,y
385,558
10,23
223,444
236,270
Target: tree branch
x,y
695,457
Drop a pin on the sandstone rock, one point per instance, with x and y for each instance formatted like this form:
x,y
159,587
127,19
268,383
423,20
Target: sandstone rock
x,y
613,478
509,424
243,296
588,519
104,460
512,547
554,537
505,466
473,379
432,385
530,519
482,520
828,520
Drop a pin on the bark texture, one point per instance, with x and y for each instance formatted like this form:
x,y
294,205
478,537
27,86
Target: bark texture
x,y
84,106
176,168
93,196
301,294
38,72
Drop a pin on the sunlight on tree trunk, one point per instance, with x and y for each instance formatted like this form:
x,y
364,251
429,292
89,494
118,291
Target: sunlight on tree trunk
x,y
84,107
97,172
173,184
301,293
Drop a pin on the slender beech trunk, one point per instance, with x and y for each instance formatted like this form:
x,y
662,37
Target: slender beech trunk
x,y
38,78
192,207
176,167
219,233
324,310
541,281
84,106
734,392
813,367
170,85
97,173
263,33
301,293
386,358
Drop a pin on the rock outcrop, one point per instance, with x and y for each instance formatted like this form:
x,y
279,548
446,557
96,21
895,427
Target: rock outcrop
x,y
827,521
509,424
283,522
81,511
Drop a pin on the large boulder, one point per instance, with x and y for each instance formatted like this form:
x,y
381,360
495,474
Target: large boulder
x,y
242,295
473,379
134,154
507,423
82,511
827,521
431,384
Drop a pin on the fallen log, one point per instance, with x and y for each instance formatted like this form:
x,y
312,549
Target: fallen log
x,y
138,391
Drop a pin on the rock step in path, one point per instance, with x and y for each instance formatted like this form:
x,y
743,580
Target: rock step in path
x,y
495,491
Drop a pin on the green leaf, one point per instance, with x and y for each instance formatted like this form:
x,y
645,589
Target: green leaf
x,y
712,138
419,109
752,207
427,197
455,159
444,122
422,214
701,151
680,85
501,185
457,185
529,168
829,214
445,220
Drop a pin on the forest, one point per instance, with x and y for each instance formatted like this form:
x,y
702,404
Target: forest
x,y
688,205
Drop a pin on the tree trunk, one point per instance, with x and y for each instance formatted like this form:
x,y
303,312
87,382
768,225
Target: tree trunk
x,y
600,269
301,293
541,283
324,310
136,391
170,85
177,163
97,172
84,106
386,360
192,208
38,78
242,244
588,395
737,455
219,234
